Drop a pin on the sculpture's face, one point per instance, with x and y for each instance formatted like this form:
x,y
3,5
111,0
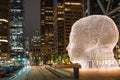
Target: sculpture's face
x,y
78,43
75,48
89,35
74,52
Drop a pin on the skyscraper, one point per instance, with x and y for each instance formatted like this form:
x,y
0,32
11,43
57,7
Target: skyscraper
x,y
16,27
46,30
66,12
46,22
4,29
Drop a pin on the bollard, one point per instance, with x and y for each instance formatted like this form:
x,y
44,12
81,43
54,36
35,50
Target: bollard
x,y
50,65
76,73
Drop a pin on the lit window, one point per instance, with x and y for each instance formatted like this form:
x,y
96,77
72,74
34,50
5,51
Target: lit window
x,y
72,3
60,12
49,23
67,3
16,10
60,18
60,6
49,11
75,3
4,20
18,1
42,9
42,13
67,9
3,40
3,37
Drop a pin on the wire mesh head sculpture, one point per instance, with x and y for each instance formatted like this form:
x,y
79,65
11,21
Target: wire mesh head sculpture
x,y
92,40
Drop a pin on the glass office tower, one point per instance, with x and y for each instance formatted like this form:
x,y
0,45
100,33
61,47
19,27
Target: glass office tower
x,y
16,27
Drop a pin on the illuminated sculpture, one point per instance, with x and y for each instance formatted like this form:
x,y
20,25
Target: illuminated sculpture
x,y
91,42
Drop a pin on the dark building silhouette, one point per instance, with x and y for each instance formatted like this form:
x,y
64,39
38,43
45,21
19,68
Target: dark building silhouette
x,y
26,47
35,48
4,29
39,54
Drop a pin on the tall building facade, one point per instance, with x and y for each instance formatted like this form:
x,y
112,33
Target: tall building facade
x,y
26,47
40,54
46,22
46,30
35,48
4,29
58,20
16,27
66,12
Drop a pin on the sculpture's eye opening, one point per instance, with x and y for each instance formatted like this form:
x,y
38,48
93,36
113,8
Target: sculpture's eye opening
x,y
67,48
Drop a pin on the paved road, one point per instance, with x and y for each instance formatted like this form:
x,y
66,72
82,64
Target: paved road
x,y
45,73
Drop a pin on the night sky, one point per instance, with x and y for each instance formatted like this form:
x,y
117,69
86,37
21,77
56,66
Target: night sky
x,y
32,17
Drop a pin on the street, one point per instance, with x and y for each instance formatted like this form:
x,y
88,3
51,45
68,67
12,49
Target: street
x,y
45,73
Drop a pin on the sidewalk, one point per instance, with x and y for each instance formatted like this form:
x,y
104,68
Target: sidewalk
x,y
97,74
